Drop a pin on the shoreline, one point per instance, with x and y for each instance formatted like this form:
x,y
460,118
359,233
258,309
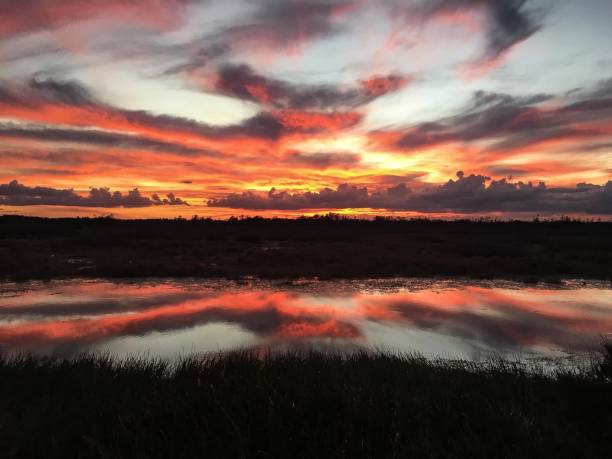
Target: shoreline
x,y
309,284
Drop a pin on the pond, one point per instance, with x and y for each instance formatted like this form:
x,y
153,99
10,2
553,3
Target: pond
x,y
169,318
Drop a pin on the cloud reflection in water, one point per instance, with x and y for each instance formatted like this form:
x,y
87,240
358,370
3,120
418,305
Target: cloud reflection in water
x,y
70,317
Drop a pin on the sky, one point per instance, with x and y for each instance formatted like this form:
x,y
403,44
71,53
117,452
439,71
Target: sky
x,y
166,108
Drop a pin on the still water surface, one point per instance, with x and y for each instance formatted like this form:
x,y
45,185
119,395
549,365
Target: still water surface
x,y
169,318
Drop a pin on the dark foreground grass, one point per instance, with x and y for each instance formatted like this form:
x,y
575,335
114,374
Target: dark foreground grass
x,y
301,405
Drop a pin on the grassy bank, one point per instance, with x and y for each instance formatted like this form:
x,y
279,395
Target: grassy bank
x,y
36,248
301,405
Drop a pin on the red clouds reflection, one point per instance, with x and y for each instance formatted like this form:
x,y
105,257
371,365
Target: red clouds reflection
x,y
501,319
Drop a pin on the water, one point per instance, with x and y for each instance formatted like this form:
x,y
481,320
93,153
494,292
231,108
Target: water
x,y
168,318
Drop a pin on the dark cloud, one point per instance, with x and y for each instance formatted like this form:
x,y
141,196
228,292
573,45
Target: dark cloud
x,y
342,197
16,194
70,157
69,92
488,115
262,125
512,122
510,24
41,90
98,138
242,82
603,89
324,160
282,24
477,193
508,21
467,194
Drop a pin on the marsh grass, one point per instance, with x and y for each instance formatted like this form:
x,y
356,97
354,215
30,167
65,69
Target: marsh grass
x,y
603,364
325,247
302,404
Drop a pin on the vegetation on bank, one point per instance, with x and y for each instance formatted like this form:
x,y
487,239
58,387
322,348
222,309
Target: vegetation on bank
x,y
302,405
324,247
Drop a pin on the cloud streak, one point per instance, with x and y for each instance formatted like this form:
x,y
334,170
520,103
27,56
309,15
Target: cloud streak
x,y
323,160
68,102
511,123
98,138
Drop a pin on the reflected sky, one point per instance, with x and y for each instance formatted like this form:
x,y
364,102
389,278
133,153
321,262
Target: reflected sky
x,y
170,318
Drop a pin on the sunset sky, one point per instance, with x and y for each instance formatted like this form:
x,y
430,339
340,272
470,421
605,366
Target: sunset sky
x,y
160,108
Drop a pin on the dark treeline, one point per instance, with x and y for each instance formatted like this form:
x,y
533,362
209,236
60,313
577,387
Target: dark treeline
x,y
302,405
324,247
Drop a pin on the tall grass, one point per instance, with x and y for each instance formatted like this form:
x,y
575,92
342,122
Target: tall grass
x,y
301,404
603,365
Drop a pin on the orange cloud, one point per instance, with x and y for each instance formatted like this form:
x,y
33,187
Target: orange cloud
x,y
380,85
318,121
